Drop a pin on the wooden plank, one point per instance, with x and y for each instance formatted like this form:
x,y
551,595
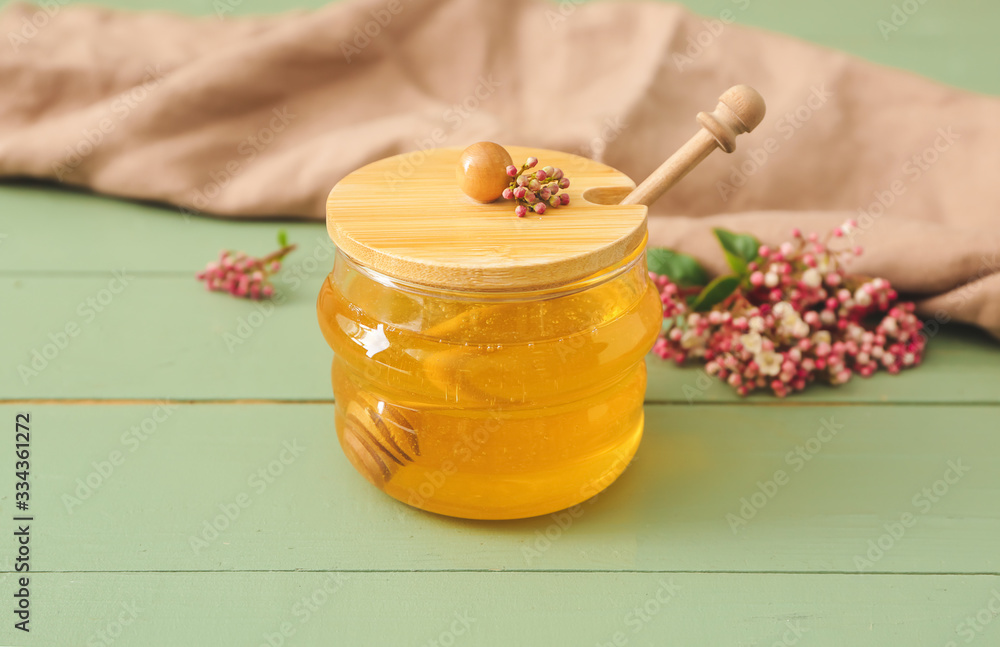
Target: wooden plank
x,y
204,488
172,339
158,337
56,231
378,609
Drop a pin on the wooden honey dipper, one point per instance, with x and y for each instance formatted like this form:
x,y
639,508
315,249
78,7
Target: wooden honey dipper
x,y
740,110
382,436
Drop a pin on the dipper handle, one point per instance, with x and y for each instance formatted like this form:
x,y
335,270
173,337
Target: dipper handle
x,y
739,111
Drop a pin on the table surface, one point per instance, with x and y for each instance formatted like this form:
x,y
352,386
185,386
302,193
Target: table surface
x,y
152,425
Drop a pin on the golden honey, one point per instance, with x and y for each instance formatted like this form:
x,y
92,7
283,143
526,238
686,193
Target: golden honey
x,y
490,405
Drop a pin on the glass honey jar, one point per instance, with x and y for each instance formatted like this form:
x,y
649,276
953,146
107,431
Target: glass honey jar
x,y
487,366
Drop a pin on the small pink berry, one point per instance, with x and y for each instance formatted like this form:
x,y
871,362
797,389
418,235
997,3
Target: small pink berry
x,y
757,279
564,199
512,171
520,211
507,194
532,161
540,208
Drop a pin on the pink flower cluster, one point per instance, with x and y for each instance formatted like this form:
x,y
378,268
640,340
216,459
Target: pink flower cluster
x,y
797,319
535,190
242,275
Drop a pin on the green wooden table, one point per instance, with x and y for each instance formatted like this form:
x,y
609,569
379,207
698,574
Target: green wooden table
x,y
188,489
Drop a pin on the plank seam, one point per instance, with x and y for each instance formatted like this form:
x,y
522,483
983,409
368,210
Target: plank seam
x,y
554,571
278,401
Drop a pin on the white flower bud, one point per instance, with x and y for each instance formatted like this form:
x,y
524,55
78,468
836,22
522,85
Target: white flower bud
x,y
812,277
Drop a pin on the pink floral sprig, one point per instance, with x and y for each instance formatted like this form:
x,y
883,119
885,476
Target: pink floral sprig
x,y
242,275
793,316
535,190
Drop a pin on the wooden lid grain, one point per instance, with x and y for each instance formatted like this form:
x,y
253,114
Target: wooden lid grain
x,y
405,217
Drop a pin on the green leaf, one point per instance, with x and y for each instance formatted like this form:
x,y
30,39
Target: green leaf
x,y
715,292
282,238
737,263
737,248
682,269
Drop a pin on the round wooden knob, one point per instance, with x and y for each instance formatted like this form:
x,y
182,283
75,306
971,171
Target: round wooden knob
x,y
740,110
747,105
482,171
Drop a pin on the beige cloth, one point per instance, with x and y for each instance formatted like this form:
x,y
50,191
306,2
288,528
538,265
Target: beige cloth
x,y
261,116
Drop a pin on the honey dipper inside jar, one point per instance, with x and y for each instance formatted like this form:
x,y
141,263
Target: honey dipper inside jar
x,y
489,320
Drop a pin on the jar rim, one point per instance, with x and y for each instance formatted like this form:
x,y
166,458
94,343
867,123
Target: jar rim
x,y
609,273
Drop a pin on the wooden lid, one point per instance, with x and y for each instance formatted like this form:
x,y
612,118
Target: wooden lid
x,y
406,217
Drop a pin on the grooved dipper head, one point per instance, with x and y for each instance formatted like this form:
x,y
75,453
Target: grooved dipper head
x,y
746,103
